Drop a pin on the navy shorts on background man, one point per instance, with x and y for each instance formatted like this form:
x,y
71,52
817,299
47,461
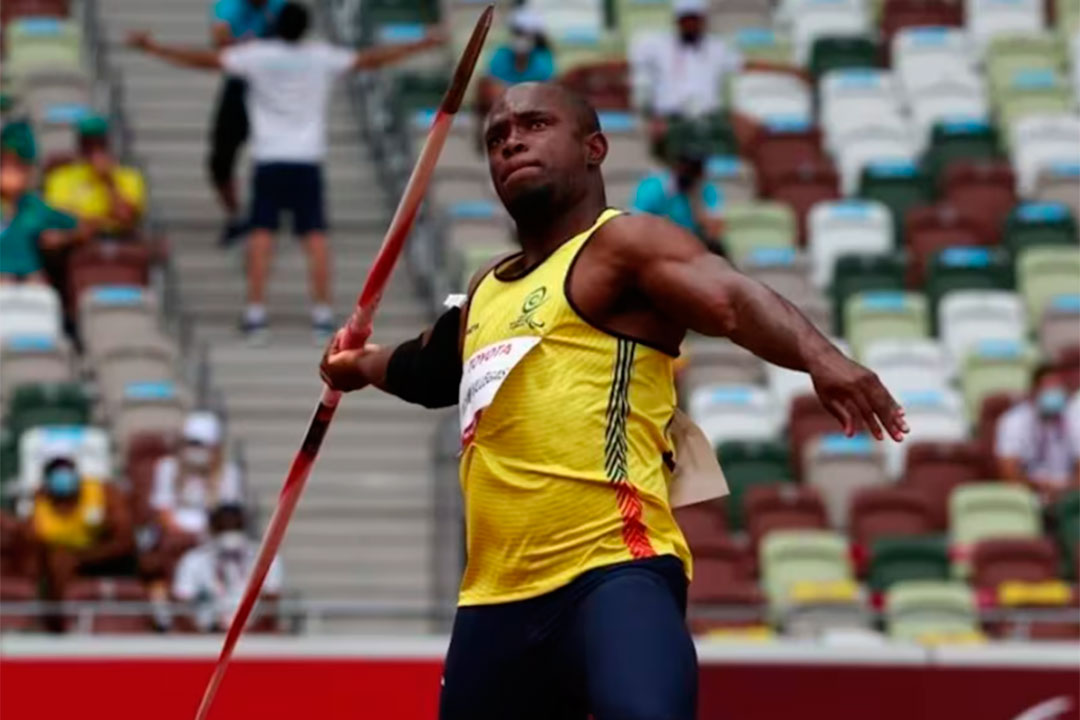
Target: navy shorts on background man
x,y
296,188
613,643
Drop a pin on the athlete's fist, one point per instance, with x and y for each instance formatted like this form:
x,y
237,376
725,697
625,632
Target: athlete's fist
x,y
856,397
345,370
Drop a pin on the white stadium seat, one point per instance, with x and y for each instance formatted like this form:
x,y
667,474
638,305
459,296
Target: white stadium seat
x,y
935,414
967,317
948,99
29,310
987,18
922,53
1039,141
767,94
908,365
872,144
841,227
735,412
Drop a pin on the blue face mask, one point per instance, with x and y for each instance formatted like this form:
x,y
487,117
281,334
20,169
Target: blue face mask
x,y
1051,401
62,482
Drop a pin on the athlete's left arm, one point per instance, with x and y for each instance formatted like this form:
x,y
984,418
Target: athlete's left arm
x,y
702,292
197,58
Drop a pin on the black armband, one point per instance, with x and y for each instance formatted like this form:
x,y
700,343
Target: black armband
x,y
428,373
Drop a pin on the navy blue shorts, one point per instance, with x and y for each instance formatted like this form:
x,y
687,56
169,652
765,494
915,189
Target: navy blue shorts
x,y
296,188
613,645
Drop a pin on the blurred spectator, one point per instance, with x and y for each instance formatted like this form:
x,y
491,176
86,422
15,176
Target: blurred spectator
x,y
108,198
234,21
187,486
15,551
1034,443
290,80
211,577
80,526
683,195
526,57
27,224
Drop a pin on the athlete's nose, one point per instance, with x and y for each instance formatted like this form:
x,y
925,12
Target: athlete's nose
x,y
514,144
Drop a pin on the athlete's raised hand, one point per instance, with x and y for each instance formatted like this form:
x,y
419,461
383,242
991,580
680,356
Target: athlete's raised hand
x,y
856,397
345,370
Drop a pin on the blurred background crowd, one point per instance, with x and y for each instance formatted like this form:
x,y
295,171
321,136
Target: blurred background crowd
x,y
906,171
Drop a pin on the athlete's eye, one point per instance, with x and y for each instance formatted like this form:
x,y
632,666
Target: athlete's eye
x,y
538,124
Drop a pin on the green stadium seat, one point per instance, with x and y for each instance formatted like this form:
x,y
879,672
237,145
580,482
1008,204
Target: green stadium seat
x,y
1066,514
421,91
884,315
9,456
42,43
1008,53
966,268
958,139
1032,92
1067,14
790,556
914,557
899,185
634,16
709,136
837,53
979,511
48,404
860,273
749,463
992,367
1043,273
1031,224
758,225
918,608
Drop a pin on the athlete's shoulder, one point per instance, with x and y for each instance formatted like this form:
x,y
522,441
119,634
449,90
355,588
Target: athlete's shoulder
x,y
487,267
635,238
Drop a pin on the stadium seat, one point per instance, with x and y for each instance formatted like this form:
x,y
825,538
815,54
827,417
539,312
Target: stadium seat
x,y
856,91
718,361
106,263
111,315
898,15
703,527
37,43
90,446
787,557
908,557
48,404
876,144
106,590
1032,224
841,466
785,270
781,145
723,564
1059,183
1010,53
887,512
1043,273
994,366
149,359
825,18
14,589
724,580
884,315
964,269
909,365
1057,330
29,310
968,317
900,186
845,227
951,114
758,225
993,407
933,414
843,52
764,44
1066,514
782,506
933,228
143,452
934,468
732,177
765,95
956,140
711,134
921,54
996,561
982,511
33,359
786,385
734,412
9,460
803,187
984,190
1041,141
628,152
807,419
850,124
918,609
749,464
1033,92
147,407
989,18
864,273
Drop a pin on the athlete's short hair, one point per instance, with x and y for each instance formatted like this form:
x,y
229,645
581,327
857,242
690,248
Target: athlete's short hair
x,y
587,120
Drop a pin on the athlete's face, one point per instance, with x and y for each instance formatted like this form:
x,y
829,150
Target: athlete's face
x,y
536,147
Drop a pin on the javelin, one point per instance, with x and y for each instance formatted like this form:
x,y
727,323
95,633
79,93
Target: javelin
x,y
356,332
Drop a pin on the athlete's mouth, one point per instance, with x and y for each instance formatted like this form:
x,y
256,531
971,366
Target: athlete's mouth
x,y
512,170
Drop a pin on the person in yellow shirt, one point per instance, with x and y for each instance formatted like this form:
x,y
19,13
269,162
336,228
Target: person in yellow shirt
x,y
108,198
574,593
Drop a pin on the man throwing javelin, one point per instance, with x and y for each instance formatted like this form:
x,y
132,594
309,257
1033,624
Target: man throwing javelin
x,y
574,594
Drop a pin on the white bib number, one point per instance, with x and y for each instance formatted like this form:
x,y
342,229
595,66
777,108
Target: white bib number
x,y
482,376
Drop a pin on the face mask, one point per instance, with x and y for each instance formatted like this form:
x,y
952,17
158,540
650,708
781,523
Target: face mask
x,y
62,482
1051,401
522,44
231,541
197,455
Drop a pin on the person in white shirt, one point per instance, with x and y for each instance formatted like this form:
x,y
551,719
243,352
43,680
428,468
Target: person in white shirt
x,y
289,82
1035,443
195,480
211,578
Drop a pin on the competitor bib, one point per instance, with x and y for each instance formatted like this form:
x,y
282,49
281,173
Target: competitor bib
x,y
482,376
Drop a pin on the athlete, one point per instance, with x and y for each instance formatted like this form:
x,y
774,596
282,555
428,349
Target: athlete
x,y
574,595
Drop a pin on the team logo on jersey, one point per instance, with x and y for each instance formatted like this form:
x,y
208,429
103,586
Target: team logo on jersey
x,y
532,303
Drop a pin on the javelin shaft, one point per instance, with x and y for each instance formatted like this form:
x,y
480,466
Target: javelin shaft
x,y
357,330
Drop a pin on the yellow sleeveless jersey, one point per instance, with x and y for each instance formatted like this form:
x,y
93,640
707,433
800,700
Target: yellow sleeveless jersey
x,y
565,459
76,529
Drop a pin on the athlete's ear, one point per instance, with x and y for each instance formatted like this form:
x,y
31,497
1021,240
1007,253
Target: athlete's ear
x,y
596,147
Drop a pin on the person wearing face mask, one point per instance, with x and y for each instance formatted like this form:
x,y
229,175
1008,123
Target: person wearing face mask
x,y
211,577
1034,443
683,195
79,525
526,57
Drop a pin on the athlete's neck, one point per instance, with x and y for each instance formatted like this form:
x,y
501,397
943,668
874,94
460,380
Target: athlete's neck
x,y
541,233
